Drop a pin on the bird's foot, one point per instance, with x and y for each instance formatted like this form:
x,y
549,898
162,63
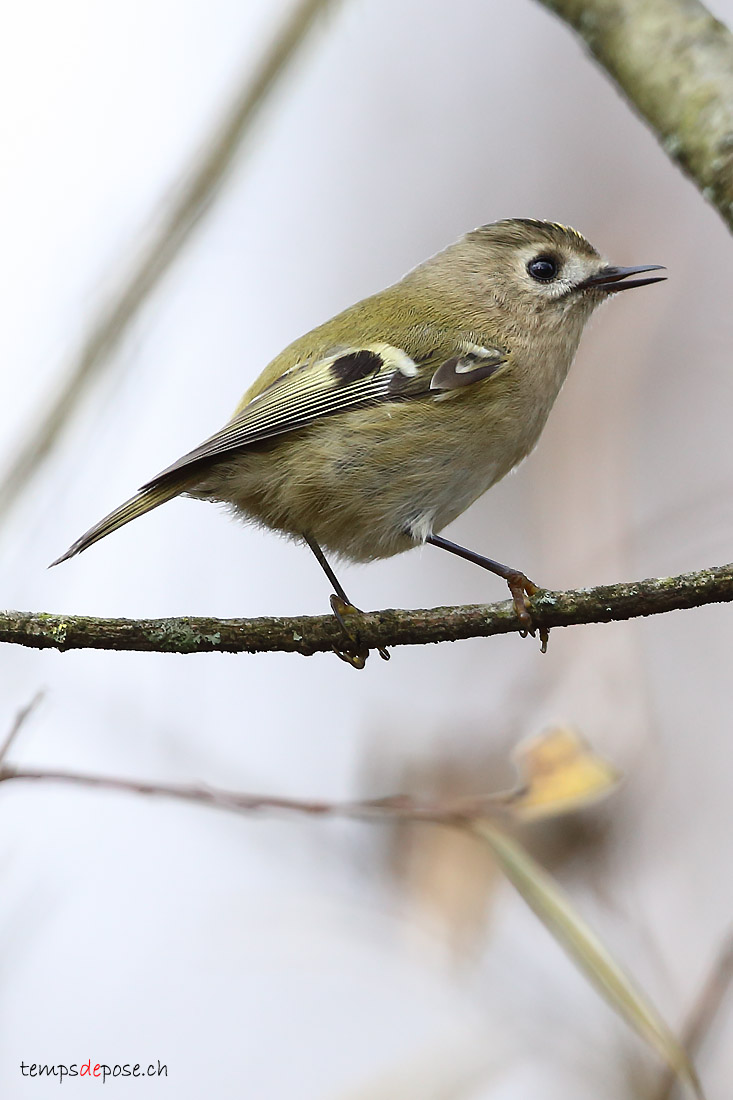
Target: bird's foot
x,y
522,589
354,653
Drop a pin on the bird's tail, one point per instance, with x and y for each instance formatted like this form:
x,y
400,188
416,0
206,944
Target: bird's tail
x,y
144,501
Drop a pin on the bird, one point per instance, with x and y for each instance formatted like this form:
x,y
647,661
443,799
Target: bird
x,y
374,431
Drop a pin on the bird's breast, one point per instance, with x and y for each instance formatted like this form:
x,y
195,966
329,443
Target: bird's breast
x,y
369,482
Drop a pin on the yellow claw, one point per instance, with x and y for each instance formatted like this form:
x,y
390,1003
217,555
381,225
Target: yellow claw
x,y
355,655
521,588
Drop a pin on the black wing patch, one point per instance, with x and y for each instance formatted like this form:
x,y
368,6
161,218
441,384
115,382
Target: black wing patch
x,y
347,379
355,365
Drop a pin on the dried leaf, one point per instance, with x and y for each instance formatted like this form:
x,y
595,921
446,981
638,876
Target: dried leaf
x,y
558,772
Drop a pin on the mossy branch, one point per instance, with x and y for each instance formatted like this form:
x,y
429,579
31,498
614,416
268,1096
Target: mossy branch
x,y
674,62
309,634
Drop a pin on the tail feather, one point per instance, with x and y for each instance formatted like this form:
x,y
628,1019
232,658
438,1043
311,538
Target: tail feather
x,y
142,502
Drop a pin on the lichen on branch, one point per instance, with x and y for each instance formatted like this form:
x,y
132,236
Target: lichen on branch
x,y
673,60
309,634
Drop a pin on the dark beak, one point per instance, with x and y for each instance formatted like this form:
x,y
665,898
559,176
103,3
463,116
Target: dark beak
x,y
613,279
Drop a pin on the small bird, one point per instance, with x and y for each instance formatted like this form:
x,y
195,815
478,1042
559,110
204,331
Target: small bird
x,y
374,431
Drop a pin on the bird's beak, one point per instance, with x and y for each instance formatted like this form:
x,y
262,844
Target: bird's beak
x,y
613,279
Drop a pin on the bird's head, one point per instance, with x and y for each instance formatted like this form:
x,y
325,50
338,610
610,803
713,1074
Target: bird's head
x,y
534,274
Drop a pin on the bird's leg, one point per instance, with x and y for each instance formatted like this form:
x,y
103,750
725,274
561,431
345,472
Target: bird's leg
x,y
520,585
355,654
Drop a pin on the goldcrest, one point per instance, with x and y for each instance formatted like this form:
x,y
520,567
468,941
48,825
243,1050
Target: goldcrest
x,y
374,431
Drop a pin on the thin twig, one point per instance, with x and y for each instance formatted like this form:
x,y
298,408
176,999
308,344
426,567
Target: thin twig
x,y
321,633
397,807
18,722
203,182
674,62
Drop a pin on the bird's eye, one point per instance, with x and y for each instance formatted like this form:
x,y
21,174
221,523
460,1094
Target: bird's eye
x,y
543,268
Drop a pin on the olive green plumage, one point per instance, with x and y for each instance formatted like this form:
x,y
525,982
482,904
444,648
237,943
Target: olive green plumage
x,y
382,425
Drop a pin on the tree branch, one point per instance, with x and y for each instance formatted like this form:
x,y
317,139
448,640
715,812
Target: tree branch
x,y
200,186
321,633
674,62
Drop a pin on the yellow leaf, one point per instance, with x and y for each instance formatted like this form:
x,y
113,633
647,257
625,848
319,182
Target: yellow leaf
x,y
558,772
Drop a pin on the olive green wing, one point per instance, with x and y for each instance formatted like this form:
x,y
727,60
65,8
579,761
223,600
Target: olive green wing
x,y
346,379
318,386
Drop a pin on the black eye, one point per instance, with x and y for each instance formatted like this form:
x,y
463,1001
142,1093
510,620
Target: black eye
x,y
543,268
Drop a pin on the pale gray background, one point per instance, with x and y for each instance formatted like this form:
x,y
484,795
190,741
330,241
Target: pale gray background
x,y
275,959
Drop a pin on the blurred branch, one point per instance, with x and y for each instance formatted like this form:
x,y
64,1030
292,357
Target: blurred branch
x,y
17,725
557,771
308,634
200,188
706,1009
548,902
479,816
674,62
398,807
